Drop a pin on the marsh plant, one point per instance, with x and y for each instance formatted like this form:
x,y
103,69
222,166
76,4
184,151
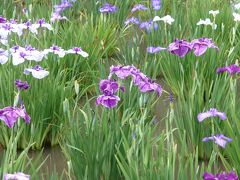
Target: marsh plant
x,y
89,76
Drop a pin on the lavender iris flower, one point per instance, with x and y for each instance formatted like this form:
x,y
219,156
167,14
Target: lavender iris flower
x,y
180,48
37,72
156,4
138,7
9,115
148,25
56,15
77,50
154,50
132,20
232,69
211,113
201,45
62,6
219,139
17,176
221,176
108,8
22,85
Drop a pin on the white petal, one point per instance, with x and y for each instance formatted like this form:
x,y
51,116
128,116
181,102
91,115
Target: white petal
x,y
60,53
3,59
48,26
156,18
70,51
83,54
33,29
16,59
39,74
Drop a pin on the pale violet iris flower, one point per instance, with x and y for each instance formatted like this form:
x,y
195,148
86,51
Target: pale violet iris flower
x,y
77,50
37,72
55,50
20,54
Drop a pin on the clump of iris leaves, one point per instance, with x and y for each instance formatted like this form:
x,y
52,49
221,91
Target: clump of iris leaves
x,y
128,141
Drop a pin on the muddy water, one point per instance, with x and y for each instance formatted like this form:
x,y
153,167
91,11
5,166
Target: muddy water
x,y
55,161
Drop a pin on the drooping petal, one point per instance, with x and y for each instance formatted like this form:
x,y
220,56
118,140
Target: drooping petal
x,y
108,101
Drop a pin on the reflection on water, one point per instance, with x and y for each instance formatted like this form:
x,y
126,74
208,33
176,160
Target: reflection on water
x,y
55,161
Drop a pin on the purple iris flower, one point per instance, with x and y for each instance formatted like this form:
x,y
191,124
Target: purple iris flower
x,y
9,115
37,72
219,139
2,19
121,71
154,50
201,45
17,176
108,8
156,4
211,113
22,85
150,86
132,20
232,69
139,79
220,176
108,101
108,87
180,48
138,7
